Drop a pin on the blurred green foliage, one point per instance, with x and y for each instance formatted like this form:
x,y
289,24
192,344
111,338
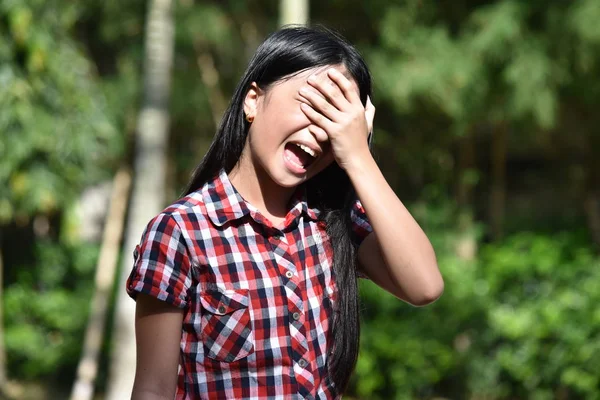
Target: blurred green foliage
x,y
517,320
46,309
61,130
57,133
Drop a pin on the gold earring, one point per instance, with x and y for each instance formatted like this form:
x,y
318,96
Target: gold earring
x,y
249,118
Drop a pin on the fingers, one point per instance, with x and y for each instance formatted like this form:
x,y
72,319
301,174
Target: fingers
x,y
344,84
330,99
313,99
329,89
316,118
318,133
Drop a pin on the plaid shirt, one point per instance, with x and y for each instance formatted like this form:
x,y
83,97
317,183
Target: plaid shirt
x,y
257,300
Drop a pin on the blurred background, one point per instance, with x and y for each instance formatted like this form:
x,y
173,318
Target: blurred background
x,y
487,127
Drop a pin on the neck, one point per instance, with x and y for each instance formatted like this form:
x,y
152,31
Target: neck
x,y
257,187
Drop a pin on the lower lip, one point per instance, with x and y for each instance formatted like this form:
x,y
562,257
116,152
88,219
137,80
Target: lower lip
x,y
292,166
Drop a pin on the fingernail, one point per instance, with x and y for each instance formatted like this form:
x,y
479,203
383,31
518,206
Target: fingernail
x,y
312,78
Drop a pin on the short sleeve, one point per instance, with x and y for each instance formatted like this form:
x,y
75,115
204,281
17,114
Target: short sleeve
x,y
360,224
162,266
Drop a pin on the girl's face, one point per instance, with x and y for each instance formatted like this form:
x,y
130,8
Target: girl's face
x,y
279,142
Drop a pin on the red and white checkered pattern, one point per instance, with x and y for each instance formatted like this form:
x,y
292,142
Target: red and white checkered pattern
x,y
258,301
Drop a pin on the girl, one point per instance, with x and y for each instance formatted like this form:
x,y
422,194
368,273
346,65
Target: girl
x,y
247,286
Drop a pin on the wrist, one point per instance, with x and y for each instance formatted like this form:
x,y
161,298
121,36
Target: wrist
x,y
360,166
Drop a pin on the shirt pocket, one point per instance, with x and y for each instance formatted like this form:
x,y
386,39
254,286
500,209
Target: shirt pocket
x,y
226,326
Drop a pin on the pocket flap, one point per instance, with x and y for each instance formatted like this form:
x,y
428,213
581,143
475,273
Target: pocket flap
x,y
223,302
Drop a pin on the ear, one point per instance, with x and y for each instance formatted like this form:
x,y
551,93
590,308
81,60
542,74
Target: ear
x,y
251,100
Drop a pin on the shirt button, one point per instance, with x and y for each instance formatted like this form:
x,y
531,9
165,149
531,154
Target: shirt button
x,y
289,274
221,309
302,363
296,316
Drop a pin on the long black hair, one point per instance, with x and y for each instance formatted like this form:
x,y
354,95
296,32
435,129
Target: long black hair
x,y
285,53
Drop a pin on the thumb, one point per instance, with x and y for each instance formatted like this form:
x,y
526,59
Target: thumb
x,y
369,114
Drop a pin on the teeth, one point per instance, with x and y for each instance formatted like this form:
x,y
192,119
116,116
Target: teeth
x,y
308,150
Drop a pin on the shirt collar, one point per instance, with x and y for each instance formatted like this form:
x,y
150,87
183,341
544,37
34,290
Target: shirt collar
x,y
225,204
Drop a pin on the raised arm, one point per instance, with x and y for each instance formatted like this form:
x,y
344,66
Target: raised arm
x,y
397,255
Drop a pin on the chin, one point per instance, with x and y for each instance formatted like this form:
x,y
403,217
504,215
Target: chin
x,y
288,180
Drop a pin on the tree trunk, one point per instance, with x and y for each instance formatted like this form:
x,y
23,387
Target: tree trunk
x,y
466,244
592,211
147,198
293,12
466,168
592,195
210,78
83,389
498,191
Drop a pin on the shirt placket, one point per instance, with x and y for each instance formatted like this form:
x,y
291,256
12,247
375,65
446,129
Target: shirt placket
x,y
292,279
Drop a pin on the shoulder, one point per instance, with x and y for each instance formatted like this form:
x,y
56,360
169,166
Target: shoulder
x,y
180,217
191,206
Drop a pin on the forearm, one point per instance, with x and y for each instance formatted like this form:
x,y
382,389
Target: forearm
x,y
405,249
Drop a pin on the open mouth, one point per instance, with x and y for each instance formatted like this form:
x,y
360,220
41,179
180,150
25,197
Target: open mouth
x,y
299,155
